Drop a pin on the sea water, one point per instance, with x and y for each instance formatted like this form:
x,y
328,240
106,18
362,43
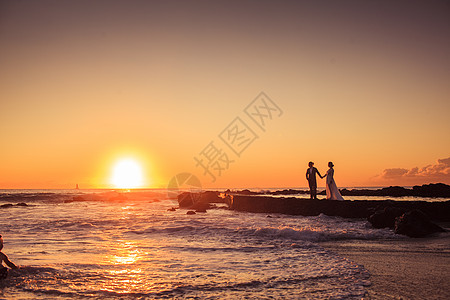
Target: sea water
x,y
129,245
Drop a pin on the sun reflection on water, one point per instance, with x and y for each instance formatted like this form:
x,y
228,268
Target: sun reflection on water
x,y
126,253
126,275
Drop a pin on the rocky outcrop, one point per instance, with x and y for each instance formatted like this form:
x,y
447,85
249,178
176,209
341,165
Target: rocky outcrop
x,y
432,190
8,205
385,218
199,201
415,224
186,199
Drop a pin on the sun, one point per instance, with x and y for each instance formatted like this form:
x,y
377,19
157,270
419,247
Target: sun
x,y
127,174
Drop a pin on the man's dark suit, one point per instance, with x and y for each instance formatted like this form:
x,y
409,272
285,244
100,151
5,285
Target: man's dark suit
x,y
311,177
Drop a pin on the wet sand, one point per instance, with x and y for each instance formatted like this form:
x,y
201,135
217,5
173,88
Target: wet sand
x,y
402,269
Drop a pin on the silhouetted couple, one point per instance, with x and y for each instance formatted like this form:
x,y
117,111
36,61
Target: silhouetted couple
x,y
331,188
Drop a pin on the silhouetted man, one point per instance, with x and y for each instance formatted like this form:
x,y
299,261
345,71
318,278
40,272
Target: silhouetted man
x,y
311,177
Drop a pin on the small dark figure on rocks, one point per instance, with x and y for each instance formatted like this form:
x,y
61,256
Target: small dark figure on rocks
x,y
5,259
311,177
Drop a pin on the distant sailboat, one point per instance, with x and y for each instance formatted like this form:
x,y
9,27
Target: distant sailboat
x,y
77,188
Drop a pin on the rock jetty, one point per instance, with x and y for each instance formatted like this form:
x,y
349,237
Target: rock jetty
x,y
439,211
411,218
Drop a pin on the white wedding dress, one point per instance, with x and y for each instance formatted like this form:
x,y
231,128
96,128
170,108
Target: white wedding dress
x,y
332,190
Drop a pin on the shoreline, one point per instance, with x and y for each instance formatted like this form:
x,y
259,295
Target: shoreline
x,y
408,268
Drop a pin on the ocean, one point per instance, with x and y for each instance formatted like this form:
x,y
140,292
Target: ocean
x,y
129,245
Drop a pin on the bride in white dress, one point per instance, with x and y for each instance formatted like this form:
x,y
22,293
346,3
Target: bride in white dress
x,y
332,190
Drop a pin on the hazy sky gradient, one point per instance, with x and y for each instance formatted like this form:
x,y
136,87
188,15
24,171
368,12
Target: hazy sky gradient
x,y
83,83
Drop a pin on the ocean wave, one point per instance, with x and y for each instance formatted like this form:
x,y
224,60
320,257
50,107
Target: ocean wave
x,y
70,196
34,197
282,273
192,228
317,234
238,249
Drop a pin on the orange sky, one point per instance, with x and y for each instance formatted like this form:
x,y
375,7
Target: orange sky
x,y
84,84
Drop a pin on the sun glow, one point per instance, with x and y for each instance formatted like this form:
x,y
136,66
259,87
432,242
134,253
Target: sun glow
x,y
127,174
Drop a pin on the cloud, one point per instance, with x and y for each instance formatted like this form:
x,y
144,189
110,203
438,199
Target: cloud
x,y
394,173
437,172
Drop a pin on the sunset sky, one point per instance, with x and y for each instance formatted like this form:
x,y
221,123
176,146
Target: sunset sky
x,y
85,84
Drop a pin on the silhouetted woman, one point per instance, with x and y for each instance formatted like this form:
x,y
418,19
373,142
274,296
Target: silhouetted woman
x,y
332,190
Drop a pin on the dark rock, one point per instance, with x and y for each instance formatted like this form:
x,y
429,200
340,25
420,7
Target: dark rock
x,y
432,190
200,205
246,192
395,191
344,191
386,217
210,197
190,212
172,209
199,200
288,192
426,190
186,199
21,204
415,224
8,205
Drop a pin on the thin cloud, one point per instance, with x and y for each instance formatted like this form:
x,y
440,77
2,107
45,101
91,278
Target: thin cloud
x,y
437,172
394,173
